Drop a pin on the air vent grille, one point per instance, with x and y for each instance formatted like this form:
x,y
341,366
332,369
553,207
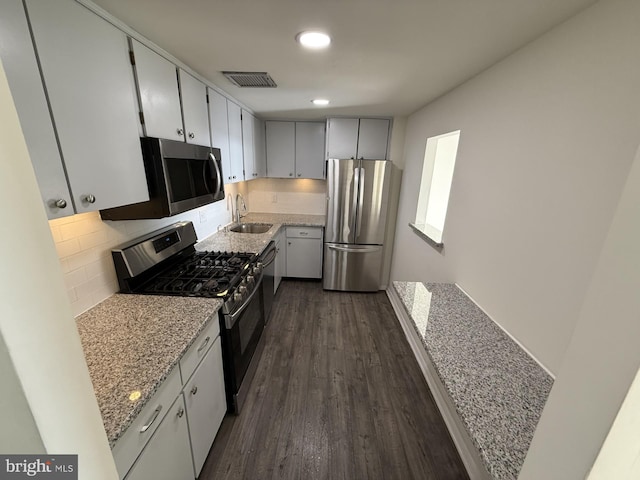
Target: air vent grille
x,y
251,79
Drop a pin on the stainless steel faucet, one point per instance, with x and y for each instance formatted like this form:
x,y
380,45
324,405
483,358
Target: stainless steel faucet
x,y
239,198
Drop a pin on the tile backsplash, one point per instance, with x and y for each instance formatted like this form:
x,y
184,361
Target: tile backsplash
x,y
84,241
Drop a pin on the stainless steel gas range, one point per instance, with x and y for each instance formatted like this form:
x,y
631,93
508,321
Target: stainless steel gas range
x,y
165,262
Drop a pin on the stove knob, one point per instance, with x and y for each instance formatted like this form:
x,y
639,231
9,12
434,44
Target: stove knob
x,y
250,279
242,289
257,269
237,297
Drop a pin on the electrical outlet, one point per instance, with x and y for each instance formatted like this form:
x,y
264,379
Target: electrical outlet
x,y
203,216
274,198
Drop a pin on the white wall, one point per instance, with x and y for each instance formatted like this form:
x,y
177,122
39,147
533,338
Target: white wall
x,y
36,320
547,139
602,358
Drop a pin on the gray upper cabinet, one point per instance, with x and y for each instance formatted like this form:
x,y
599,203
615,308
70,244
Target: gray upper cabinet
x,y
87,77
281,149
342,137
21,68
234,117
310,150
219,124
366,138
194,108
259,151
248,145
158,92
295,149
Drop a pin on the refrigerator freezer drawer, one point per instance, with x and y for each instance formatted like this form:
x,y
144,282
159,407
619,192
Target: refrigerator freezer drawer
x,y
354,268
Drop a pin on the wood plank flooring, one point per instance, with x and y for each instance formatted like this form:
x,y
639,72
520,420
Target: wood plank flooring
x,y
337,395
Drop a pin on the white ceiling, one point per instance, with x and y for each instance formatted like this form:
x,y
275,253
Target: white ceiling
x,y
387,57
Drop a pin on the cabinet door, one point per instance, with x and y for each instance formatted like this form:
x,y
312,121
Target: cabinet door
x,y
194,109
235,141
21,68
167,455
304,252
260,153
310,150
87,75
219,124
206,404
281,149
248,146
373,138
342,137
158,90
304,257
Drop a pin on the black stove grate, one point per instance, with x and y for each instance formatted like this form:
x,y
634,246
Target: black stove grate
x,y
202,274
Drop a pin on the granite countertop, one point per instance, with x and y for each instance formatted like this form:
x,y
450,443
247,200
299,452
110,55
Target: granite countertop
x,y
257,242
132,343
498,390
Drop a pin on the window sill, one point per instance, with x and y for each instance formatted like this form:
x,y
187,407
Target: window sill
x,y
419,229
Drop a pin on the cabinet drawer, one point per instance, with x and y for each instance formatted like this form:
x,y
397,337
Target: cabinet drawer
x,y
199,348
129,446
304,232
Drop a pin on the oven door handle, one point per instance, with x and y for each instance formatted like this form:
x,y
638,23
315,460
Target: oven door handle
x,y
274,253
230,320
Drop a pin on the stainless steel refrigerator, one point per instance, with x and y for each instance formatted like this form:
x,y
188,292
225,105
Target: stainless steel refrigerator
x,y
357,196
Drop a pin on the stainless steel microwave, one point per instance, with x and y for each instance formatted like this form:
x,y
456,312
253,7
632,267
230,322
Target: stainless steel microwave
x,y
180,177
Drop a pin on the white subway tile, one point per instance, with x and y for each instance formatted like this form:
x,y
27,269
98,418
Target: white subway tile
x,y
95,239
67,248
75,277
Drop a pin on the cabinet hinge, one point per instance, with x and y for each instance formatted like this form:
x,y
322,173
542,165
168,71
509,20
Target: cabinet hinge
x,y
207,98
132,57
141,118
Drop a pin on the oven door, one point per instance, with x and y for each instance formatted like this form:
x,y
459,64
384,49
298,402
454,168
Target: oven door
x,y
241,341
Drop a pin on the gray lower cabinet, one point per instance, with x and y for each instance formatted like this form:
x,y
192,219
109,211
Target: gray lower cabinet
x,y
304,252
206,404
173,443
167,455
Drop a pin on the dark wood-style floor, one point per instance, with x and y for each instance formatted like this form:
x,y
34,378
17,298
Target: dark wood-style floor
x,y
337,395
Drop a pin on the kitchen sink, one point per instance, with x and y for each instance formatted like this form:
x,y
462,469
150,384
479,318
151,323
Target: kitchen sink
x,y
251,228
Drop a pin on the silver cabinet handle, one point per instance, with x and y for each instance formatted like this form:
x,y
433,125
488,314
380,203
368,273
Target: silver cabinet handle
x,y
180,131
299,174
60,203
192,135
89,198
180,412
194,390
204,344
291,174
153,419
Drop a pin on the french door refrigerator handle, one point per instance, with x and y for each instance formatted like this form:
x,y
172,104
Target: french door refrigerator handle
x,y
361,177
356,185
351,249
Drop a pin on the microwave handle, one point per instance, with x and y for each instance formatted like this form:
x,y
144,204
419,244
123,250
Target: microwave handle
x,y
214,162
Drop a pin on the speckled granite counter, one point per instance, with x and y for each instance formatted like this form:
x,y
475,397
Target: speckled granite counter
x,y
498,390
131,343
256,242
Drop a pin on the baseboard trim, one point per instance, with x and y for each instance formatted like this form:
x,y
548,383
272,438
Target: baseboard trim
x,y
467,450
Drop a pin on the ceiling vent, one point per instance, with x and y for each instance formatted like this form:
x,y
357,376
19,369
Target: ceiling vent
x,y
251,79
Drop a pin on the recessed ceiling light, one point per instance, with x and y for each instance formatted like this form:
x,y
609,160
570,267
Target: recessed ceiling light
x,y
320,101
315,40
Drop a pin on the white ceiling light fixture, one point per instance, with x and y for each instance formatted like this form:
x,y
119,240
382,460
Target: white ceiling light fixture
x,y
313,39
320,102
